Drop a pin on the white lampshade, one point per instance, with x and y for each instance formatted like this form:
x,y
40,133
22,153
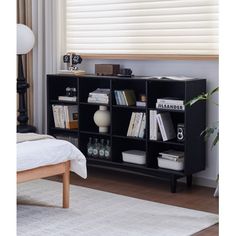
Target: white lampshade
x,y
25,39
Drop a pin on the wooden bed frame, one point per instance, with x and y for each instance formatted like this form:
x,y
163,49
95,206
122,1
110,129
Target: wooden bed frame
x,y
47,171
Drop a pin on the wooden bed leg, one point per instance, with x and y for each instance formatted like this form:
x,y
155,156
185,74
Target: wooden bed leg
x,y
66,185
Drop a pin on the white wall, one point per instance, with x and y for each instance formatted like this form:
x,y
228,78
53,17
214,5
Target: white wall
x,y
198,69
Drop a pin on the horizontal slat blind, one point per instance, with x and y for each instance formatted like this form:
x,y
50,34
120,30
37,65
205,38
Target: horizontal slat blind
x,y
176,27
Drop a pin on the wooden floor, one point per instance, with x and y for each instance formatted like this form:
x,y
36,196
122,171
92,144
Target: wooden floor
x,y
142,187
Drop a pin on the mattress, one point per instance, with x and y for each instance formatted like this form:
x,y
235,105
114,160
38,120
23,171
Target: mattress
x,y
38,153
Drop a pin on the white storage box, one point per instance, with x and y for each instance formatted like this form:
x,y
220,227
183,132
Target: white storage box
x,y
169,164
134,156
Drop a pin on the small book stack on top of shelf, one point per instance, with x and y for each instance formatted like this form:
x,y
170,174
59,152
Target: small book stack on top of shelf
x,y
170,104
67,98
65,117
137,125
171,159
161,126
125,97
100,95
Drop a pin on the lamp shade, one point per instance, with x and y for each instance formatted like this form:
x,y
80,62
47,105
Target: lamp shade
x,y
25,39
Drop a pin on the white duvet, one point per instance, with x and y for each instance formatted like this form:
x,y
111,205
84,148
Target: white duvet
x,y
33,154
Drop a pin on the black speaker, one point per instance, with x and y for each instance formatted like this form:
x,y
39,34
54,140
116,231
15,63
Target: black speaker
x,y
180,132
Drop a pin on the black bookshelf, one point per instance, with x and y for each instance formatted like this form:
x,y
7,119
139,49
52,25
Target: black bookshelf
x,y
194,119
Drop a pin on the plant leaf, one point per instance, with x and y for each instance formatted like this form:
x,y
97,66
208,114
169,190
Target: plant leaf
x,y
216,140
214,90
197,99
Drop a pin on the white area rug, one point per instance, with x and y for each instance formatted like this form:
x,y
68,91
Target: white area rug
x,y
98,213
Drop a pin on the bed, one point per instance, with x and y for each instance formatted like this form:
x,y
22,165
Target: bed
x,y
40,156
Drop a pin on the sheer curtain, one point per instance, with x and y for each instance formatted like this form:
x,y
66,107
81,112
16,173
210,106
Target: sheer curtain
x,y
46,54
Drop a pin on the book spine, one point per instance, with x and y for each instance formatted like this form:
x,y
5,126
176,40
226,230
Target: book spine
x,y
119,97
100,95
57,116
151,125
135,124
138,124
62,119
143,126
170,106
125,98
170,157
66,112
131,124
98,100
122,98
169,101
54,116
161,126
154,125
116,97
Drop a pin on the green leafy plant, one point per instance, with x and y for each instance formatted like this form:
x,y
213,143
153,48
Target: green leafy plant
x,y
214,128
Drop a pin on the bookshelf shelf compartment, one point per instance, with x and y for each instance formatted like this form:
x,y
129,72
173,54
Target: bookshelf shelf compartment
x,y
193,118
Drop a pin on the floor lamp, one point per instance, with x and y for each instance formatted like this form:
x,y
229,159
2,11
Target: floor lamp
x,y
25,42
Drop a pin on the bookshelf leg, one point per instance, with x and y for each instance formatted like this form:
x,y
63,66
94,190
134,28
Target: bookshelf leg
x,y
189,180
173,183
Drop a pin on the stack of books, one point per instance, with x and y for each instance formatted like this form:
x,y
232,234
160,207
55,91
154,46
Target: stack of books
x,y
141,104
100,95
170,104
125,97
137,125
65,117
67,98
172,155
171,159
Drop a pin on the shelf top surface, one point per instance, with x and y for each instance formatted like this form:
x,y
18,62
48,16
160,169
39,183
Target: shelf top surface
x,y
149,78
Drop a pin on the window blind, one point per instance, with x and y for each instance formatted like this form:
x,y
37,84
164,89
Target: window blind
x,y
176,27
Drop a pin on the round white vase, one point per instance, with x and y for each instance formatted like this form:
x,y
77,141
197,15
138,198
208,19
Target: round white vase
x,y
102,119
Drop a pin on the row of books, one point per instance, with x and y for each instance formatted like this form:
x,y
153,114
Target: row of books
x,y
70,139
171,159
125,97
100,95
137,125
65,117
161,126
170,104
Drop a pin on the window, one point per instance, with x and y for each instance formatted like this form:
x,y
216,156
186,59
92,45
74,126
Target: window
x,y
139,27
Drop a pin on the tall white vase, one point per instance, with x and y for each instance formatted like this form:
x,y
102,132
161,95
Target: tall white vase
x,y
102,119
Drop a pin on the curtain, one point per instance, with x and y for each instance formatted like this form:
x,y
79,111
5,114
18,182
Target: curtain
x,y
24,16
46,54
142,27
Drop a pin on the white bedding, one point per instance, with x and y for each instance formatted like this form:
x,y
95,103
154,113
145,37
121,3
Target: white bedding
x,y
33,154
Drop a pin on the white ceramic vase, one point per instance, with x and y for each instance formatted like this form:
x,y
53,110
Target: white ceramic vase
x,y
102,119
